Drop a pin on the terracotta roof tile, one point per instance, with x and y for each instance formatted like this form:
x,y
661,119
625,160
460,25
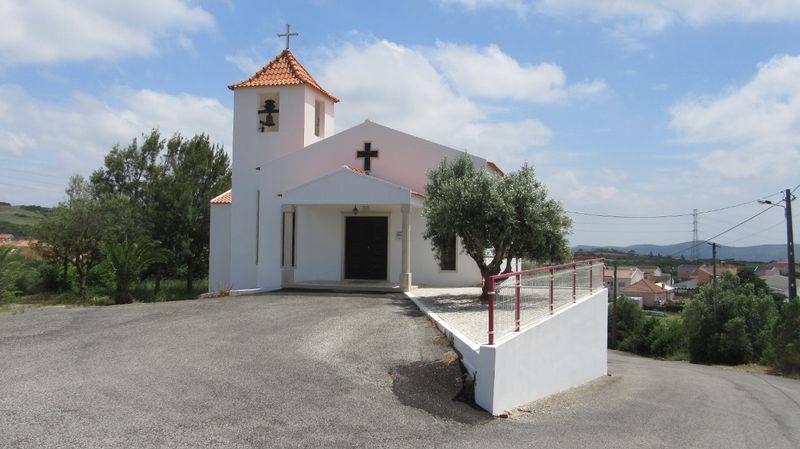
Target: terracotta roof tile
x,y
494,167
284,70
644,286
224,198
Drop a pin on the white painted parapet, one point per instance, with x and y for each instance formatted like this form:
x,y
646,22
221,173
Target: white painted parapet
x,y
565,350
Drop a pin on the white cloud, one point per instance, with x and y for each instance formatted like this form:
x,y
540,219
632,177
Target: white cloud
x,y
74,136
246,64
489,73
47,31
636,16
401,87
754,129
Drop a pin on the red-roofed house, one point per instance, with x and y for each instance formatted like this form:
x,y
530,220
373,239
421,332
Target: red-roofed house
x,y
314,208
6,237
652,294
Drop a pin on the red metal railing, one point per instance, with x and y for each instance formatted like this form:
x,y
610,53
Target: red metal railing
x,y
521,297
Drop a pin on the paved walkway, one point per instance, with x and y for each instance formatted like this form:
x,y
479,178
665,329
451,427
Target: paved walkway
x,y
301,370
459,307
463,310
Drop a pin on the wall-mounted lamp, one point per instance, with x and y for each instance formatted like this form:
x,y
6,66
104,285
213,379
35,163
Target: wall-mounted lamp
x,y
355,209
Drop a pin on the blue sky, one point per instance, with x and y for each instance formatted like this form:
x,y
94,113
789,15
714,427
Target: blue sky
x,y
633,107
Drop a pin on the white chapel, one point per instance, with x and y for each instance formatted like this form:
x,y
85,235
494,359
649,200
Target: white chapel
x,y
311,208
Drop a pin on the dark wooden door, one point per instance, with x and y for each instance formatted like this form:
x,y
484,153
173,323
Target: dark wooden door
x,y
366,247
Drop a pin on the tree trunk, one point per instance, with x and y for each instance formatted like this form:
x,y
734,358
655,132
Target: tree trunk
x,y
485,287
509,268
81,272
157,287
65,276
189,267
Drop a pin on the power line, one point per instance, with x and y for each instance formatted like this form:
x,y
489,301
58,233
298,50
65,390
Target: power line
x,y
708,240
782,222
690,214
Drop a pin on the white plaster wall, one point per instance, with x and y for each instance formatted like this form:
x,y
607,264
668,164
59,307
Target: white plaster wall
x,y
219,257
320,241
424,267
252,149
564,351
403,160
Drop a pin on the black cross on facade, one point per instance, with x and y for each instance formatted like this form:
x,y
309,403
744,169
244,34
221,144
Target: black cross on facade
x,y
367,154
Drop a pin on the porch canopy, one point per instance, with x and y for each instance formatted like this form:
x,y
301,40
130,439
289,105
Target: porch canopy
x,y
348,187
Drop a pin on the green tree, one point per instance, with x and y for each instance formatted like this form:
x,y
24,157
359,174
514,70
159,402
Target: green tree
x,y
76,230
195,172
786,339
10,263
732,324
492,214
541,224
170,183
127,260
750,277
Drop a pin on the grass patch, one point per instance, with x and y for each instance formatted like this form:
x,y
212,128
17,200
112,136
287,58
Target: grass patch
x,y
171,290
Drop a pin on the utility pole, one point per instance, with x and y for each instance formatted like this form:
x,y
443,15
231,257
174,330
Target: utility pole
x,y
714,265
614,310
789,241
790,247
714,276
694,235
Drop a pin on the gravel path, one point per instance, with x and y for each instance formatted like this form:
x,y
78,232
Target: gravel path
x,y
324,370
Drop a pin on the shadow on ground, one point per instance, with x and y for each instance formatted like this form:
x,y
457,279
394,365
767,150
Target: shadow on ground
x,y
438,388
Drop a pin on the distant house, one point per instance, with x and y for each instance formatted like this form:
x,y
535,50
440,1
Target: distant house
x,y
705,273
652,294
686,287
626,276
655,274
768,271
781,267
650,270
778,284
6,237
684,271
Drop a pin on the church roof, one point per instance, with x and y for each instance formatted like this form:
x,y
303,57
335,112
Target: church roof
x,y
421,196
223,198
284,70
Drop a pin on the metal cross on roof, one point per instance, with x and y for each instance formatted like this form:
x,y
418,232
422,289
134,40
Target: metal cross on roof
x,y
287,35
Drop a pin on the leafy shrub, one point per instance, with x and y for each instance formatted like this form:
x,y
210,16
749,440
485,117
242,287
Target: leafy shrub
x,y
668,339
786,339
730,325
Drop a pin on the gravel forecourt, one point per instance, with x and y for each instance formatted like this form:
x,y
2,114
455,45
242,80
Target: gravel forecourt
x,y
294,369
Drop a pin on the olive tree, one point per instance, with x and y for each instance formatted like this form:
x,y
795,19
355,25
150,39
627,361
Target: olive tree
x,y
495,216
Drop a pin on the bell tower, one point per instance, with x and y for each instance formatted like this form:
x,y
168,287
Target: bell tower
x,y
279,110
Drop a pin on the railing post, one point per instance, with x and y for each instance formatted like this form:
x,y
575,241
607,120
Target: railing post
x,y
591,276
552,281
491,310
517,303
574,281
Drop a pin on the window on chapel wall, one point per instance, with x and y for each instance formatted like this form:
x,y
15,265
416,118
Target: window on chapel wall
x,y
269,112
319,118
447,256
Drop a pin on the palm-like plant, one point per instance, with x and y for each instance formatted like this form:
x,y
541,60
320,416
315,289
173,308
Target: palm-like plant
x,y
128,260
10,261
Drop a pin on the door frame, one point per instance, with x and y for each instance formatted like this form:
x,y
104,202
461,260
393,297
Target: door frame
x,y
378,213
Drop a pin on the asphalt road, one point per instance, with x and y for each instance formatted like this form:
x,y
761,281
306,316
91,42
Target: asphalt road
x,y
300,370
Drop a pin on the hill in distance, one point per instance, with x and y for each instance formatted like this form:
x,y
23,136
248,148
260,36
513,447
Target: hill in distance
x,y
19,220
757,253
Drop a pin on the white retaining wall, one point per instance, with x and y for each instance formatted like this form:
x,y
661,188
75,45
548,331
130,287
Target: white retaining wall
x,y
564,351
